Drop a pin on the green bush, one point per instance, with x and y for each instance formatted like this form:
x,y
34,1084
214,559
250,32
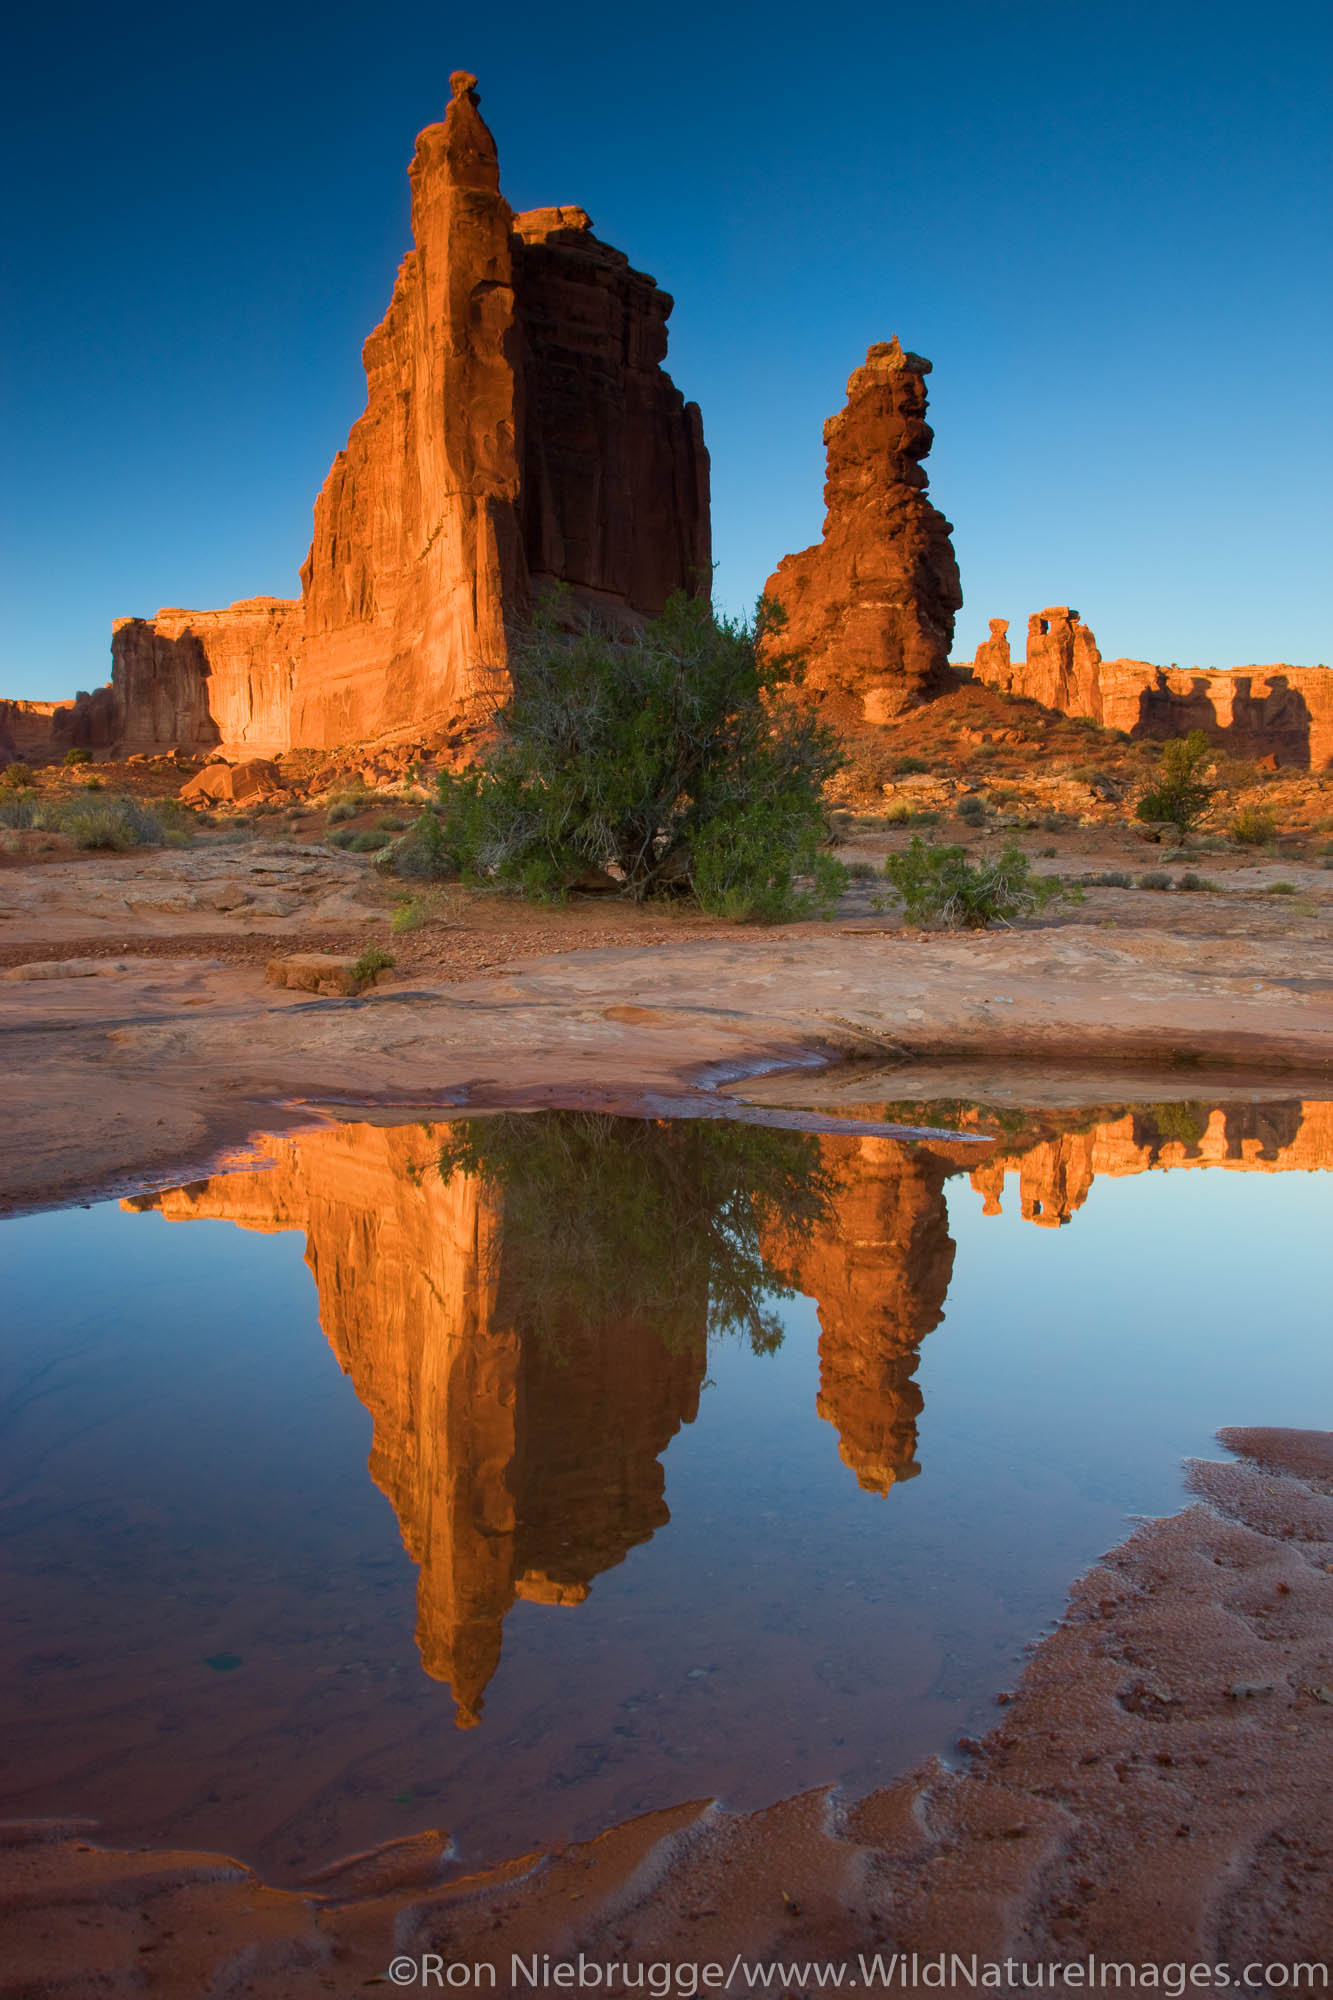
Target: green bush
x,y
907,767
1111,878
368,841
1253,826
675,760
1189,880
372,962
1156,878
971,807
423,854
15,777
78,755
1281,889
342,836
1181,798
115,824
939,886
426,907
344,808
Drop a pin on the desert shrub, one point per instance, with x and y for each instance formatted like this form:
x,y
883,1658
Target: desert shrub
x,y
342,836
1253,826
1046,853
428,906
1110,878
368,841
1156,878
907,767
422,854
971,807
1180,797
344,807
861,871
15,777
392,823
78,755
1281,889
372,961
116,824
1189,880
18,809
672,759
940,886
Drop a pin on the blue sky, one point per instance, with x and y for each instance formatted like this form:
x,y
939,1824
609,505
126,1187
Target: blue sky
x,y
1107,225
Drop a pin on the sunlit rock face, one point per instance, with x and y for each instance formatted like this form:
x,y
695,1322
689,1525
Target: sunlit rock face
x,y
1278,711
520,431
871,608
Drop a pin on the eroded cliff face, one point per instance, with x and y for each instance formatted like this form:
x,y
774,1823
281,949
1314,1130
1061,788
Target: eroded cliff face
x,y
871,607
1278,711
520,431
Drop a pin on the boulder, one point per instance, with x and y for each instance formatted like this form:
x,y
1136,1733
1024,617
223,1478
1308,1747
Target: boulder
x,y
319,972
257,779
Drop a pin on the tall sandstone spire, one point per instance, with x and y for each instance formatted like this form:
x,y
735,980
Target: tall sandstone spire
x,y
871,607
519,431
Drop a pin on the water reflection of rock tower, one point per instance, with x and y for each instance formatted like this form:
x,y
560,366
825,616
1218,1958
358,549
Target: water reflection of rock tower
x,y
879,1272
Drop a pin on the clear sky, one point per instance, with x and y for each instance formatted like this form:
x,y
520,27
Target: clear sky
x,y
1108,225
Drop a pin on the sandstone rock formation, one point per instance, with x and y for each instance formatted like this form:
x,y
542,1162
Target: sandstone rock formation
x,y
871,608
27,731
256,778
1278,711
519,431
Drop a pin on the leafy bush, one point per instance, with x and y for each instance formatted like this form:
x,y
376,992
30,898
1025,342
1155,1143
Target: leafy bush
x,y
1111,878
423,854
1180,797
940,886
674,760
115,824
78,755
372,961
426,907
1281,889
15,777
1253,826
343,808
342,836
1156,878
1189,880
971,807
392,823
907,767
368,841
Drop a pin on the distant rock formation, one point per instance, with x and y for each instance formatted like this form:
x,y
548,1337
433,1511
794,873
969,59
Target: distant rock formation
x,y
1278,711
519,431
871,608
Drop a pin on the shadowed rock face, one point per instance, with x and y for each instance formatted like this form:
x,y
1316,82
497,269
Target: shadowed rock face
x,y
871,608
1279,711
519,431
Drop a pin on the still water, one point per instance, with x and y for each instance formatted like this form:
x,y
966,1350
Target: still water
x,y
517,1475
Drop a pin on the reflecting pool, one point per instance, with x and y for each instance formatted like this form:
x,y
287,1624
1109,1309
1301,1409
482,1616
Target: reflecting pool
x,y
517,1474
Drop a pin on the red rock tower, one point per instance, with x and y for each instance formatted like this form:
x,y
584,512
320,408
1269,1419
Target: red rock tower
x,y
871,608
